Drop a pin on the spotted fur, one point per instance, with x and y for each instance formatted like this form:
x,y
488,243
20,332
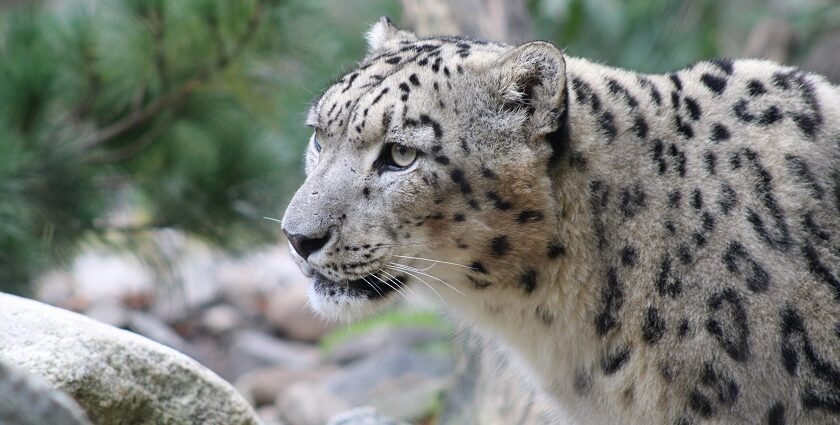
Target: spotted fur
x,y
653,249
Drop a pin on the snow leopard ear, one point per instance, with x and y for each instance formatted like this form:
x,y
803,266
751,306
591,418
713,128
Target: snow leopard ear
x,y
533,77
384,32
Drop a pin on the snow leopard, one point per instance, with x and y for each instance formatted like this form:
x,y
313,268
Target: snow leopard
x,y
649,249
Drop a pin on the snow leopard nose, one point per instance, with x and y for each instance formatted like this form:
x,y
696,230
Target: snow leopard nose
x,y
307,245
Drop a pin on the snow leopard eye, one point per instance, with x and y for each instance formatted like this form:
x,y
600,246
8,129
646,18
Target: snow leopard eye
x,y
400,156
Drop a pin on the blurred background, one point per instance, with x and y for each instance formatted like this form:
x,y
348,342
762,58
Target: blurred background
x,y
143,141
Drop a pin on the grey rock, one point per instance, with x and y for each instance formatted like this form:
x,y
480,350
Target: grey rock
x,y
109,312
402,383
252,350
116,376
263,386
26,400
308,403
269,416
362,416
155,329
249,279
385,338
288,312
221,319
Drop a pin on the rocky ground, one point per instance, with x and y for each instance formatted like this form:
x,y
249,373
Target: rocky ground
x,y
246,319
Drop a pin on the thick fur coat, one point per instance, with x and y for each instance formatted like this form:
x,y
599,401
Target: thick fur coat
x,y
652,249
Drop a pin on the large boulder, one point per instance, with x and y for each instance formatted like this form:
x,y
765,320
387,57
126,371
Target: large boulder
x,y
116,376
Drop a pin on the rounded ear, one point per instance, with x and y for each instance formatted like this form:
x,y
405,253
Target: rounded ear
x,y
533,77
385,32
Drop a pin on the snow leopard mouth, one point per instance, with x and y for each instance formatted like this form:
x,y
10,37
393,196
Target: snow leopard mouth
x,y
371,287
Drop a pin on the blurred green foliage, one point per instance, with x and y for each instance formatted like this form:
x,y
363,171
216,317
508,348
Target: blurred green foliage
x,y
663,35
185,113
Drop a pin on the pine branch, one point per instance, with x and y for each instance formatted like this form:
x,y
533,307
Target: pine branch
x,y
141,116
135,148
171,100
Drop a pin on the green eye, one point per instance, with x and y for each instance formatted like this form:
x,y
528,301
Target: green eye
x,y
401,156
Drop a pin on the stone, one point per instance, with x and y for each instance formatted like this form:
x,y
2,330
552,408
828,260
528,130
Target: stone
x,y
191,279
153,328
26,400
247,281
221,319
262,386
116,376
252,350
109,312
384,338
269,416
401,382
308,403
96,276
362,416
289,313
101,276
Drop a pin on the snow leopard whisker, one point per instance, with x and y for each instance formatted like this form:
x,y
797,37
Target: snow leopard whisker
x,y
436,261
404,267
424,282
392,286
373,287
